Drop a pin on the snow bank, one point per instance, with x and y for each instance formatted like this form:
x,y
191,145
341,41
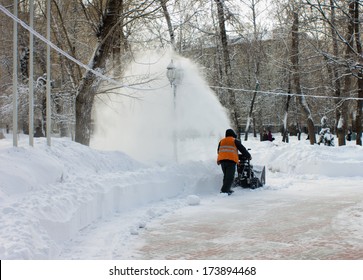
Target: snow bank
x,y
56,191
299,158
26,178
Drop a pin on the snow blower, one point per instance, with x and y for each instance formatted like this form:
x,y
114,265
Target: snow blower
x,y
249,176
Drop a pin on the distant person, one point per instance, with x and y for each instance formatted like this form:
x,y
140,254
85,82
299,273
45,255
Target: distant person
x,y
269,136
38,132
227,151
349,135
264,135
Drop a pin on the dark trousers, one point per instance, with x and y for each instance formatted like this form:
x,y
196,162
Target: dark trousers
x,y
229,169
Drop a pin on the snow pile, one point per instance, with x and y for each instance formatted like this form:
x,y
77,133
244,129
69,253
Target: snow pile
x,y
301,158
193,200
49,194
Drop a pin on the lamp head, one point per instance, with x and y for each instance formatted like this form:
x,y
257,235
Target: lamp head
x,y
171,72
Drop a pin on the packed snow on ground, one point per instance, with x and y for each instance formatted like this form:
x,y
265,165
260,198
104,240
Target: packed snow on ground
x,y
69,201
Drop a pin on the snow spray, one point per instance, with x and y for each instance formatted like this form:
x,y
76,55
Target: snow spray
x,y
154,125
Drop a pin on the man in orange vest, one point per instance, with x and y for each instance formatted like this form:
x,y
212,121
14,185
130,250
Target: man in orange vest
x,y
227,151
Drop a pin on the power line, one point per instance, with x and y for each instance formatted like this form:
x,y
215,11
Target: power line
x,y
288,94
31,30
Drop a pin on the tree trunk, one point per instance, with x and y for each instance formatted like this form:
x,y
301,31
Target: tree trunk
x,y
256,49
334,70
63,128
296,77
168,22
234,115
358,119
251,111
120,44
89,84
84,104
24,64
285,136
342,125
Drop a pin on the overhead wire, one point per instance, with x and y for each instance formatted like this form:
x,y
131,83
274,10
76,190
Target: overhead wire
x,y
59,50
288,94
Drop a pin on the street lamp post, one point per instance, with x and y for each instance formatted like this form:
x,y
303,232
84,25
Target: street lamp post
x,y
174,75
15,76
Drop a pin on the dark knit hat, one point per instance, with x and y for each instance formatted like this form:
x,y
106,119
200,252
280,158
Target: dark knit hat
x,y
230,132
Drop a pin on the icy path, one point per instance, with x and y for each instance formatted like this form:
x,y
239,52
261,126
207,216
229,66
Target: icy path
x,y
292,218
298,222
114,237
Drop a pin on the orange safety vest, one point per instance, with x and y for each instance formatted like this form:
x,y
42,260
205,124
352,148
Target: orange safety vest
x,y
227,150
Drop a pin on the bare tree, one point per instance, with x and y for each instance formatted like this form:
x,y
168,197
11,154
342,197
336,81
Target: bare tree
x,y
335,70
256,47
89,84
358,119
285,137
342,125
296,74
347,58
232,106
105,32
168,21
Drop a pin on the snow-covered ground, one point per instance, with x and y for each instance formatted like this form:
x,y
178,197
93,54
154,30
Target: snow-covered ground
x,y
70,201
